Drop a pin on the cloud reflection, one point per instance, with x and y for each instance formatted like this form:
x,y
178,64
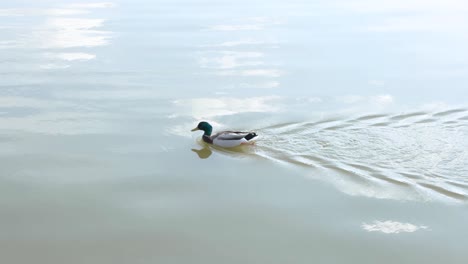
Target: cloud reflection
x,y
382,6
62,27
391,227
230,59
237,27
261,85
237,43
210,107
20,12
413,15
92,5
71,32
249,24
252,73
72,56
58,27
246,56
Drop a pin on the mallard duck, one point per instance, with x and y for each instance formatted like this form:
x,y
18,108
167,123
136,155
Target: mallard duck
x,y
225,139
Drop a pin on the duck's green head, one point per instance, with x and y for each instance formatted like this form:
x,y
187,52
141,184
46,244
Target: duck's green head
x,y
207,128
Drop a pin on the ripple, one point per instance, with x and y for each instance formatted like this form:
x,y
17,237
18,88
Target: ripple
x,y
369,117
413,156
427,120
405,116
382,124
443,191
336,127
396,158
390,180
449,112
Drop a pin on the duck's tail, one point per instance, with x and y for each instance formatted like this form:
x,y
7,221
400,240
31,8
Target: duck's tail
x,y
250,136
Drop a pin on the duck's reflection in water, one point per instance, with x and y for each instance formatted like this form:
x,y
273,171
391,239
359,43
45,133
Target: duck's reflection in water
x,y
240,151
203,153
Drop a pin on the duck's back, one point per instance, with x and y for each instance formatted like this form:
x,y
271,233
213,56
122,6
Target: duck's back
x,y
230,139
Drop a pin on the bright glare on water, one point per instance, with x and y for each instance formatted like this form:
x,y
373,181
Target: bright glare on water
x,y
360,106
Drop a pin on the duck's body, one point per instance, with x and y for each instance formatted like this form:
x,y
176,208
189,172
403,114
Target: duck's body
x,y
225,139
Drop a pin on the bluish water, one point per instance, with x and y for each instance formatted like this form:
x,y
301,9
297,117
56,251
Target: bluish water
x,y
360,107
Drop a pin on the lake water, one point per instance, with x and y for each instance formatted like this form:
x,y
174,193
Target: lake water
x,y
360,106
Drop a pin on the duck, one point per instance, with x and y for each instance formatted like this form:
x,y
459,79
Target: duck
x,y
225,139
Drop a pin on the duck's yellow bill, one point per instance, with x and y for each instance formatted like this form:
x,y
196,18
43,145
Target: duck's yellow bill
x,y
195,129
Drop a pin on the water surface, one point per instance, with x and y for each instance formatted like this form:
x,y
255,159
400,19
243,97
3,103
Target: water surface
x,y
360,107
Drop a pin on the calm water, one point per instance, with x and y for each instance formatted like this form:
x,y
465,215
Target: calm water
x,y
361,108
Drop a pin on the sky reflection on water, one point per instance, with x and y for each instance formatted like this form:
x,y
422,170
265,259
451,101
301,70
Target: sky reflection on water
x,y
360,105
60,28
391,227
